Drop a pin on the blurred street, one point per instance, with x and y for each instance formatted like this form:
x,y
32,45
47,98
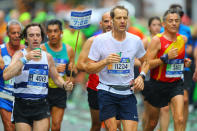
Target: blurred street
x,y
77,116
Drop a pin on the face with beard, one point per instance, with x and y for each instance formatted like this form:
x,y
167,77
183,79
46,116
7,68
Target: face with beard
x,y
106,22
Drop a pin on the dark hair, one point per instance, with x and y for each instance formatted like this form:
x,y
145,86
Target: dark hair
x,y
153,18
112,14
178,8
54,22
170,11
24,34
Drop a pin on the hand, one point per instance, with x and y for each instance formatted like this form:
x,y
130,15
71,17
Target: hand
x,y
187,62
173,53
138,84
34,54
61,67
113,58
68,86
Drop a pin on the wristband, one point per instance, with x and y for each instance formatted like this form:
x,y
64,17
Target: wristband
x,y
164,58
143,75
23,60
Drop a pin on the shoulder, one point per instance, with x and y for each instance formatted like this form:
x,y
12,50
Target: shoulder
x,y
69,48
156,38
43,47
49,56
102,36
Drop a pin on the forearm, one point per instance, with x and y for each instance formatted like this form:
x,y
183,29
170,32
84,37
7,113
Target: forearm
x,y
12,70
155,63
59,81
96,67
137,63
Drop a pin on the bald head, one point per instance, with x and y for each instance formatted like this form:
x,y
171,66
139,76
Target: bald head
x,y
106,23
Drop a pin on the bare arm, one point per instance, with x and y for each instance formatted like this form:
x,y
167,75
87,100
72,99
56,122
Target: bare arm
x,y
95,67
71,56
14,67
58,80
145,43
83,57
195,60
1,61
152,51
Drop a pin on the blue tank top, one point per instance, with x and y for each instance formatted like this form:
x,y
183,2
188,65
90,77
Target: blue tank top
x,y
6,87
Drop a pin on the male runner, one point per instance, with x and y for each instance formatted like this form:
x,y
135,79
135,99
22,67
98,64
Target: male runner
x,y
167,64
31,68
112,55
62,55
14,29
93,82
183,30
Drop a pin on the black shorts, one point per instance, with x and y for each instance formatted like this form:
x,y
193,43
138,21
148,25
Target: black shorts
x,y
57,97
187,80
159,94
27,111
93,99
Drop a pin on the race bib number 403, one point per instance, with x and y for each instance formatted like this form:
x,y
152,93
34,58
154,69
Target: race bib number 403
x,y
122,68
175,68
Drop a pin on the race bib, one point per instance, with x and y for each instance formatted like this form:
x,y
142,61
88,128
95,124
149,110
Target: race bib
x,y
60,61
38,78
122,68
9,84
175,68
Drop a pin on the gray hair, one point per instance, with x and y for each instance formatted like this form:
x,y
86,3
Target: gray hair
x,y
170,11
13,22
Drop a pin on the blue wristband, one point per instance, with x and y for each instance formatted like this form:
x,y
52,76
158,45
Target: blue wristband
x,y
23,60
164,58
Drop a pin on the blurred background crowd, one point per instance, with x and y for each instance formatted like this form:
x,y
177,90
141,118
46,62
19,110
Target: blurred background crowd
x,y
40,11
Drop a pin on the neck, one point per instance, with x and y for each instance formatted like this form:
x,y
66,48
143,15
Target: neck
x,y
152,35
170,36
57,46
13,47
119,36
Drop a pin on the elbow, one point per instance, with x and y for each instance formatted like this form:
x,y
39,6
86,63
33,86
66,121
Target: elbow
x,y
89,70
80,67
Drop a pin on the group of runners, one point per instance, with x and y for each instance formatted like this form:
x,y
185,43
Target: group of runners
x,y
35,77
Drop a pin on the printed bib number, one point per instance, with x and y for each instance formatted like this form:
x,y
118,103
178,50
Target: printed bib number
x,y
37,78
175,68
122,68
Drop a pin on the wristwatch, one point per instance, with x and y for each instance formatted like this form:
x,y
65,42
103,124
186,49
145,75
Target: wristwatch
x,y
143,75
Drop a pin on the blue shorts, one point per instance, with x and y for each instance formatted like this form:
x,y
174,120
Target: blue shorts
x,y
6,104
123,107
